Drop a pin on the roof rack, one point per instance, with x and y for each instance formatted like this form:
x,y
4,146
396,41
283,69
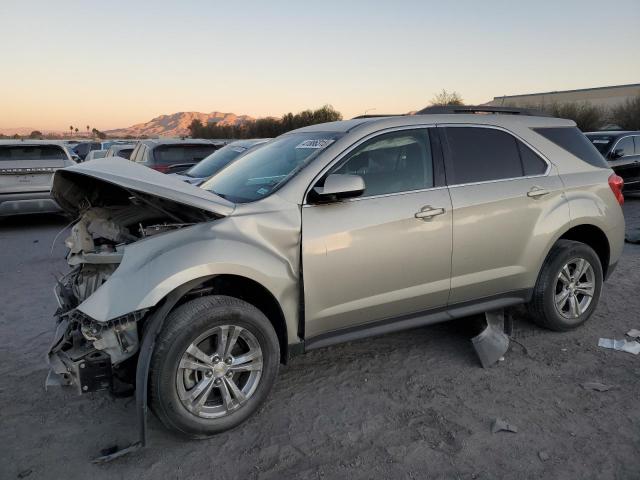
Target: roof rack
x,y
481,109
379,115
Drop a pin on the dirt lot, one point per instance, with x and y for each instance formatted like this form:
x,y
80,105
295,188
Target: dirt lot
x,y
410,405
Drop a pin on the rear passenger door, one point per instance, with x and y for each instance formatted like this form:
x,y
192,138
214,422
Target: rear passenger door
x,y
505,198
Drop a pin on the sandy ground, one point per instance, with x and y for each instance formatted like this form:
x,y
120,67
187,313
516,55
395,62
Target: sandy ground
x,y
410,405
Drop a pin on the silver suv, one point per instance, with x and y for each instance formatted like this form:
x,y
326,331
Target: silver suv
x,y
26,173
326,234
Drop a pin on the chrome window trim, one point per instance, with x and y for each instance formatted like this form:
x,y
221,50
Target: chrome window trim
x,y
338,158
383,195
518,137
613,149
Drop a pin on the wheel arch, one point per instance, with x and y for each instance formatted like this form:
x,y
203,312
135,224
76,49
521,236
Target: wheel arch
x,y
595,238
244,289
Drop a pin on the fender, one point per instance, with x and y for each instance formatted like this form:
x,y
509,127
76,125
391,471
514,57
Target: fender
x,y
154,267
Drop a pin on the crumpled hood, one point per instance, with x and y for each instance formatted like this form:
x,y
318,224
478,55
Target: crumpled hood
x,y
94,179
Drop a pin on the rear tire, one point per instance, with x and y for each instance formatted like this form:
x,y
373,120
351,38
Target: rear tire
x,y
214,364
568,287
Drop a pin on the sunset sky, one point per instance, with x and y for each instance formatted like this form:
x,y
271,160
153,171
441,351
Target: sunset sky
x,y
117,63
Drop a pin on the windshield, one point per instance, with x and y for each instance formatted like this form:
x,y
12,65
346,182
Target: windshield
x,y
262,171
601,142
216,161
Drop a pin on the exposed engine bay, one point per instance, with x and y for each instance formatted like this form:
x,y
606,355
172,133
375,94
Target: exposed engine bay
x,y
90,354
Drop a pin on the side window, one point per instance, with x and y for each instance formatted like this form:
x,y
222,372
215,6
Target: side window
x,y
624,147
532,164
393,162
481,154
636,139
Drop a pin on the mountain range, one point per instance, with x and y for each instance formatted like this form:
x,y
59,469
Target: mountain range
x,y
177,124
173,125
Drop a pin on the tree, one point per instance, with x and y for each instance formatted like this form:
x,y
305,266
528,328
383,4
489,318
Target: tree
x,y
265,127
445,98
587,116
76,129
70,130
35,134
87,130
627,114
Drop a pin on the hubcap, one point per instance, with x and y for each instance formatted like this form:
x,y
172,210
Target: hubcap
x,y
219,371
575,288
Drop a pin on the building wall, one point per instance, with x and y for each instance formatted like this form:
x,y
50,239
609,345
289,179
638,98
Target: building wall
x,y
602,97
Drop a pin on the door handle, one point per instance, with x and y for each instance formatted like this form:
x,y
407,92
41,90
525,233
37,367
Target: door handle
x,y
428,212
536,192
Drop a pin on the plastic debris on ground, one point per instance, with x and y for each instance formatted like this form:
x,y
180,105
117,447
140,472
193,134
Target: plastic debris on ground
x,y
633,333
544,456
597,386
500,425
620,345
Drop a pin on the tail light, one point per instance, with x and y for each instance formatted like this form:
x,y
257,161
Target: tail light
x,y
616,183
161,168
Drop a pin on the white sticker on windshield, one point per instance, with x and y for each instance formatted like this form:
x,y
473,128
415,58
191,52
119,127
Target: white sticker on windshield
x,y
319,143
600,141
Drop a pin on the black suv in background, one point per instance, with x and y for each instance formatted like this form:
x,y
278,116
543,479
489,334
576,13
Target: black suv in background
x,y
173,155
622,151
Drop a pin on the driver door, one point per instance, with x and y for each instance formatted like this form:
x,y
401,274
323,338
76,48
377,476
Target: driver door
x,y
386,253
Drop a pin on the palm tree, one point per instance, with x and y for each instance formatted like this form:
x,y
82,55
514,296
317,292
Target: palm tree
x,y
76,130
87,130
70,130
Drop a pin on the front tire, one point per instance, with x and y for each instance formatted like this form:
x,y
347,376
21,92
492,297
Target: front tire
x,y
568,287
214,364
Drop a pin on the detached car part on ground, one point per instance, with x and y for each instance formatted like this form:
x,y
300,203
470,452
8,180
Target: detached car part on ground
x,y
326,234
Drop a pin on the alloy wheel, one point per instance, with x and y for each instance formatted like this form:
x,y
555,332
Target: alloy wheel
x,y
219,371
575,288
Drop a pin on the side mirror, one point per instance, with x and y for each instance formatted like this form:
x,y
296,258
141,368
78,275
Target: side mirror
x,y
616,154
338,186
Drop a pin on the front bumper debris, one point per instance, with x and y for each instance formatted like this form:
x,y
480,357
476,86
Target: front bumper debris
x,y
83,351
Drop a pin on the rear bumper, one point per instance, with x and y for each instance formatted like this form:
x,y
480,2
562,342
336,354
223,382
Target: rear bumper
x,y
25,203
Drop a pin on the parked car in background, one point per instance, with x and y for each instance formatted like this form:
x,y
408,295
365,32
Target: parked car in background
x,y
326,234
26,172
82,149
622,151
218,160
93,154
122,150
173,155
105,144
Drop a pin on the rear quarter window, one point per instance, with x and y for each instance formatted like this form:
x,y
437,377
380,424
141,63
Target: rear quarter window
x,y
574,141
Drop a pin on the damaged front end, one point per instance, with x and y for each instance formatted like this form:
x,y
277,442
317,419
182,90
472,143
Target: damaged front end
x,y
86,353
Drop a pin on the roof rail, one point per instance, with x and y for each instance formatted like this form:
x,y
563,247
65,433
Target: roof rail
x,y
379,115
481,109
